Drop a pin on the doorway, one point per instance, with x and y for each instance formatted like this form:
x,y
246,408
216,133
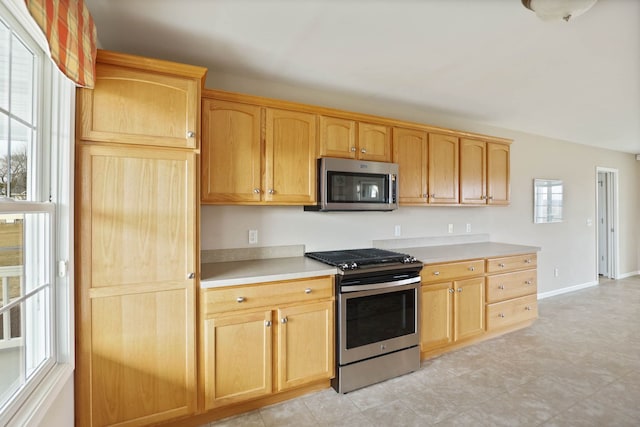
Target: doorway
x,y
607,222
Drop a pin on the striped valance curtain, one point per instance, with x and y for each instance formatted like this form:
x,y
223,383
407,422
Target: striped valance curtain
x,y
71,34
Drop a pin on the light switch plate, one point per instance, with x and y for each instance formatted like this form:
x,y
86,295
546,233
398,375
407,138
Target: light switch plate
x,y
450,228
253,237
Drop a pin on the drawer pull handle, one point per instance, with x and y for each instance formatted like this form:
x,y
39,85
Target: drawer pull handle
x,y
528,282
284,320
501,287
436,273
527,261
527,308
501,265
501,315
451,290
191,134
240,299
307,291
459,289
472,268
267,323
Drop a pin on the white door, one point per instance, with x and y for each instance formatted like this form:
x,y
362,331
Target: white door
x,y
603,226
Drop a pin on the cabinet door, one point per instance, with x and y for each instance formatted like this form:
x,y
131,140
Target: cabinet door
x,y
410,153
443,169
436,320
135,308
374,142
140,107
305,344
290,163
231,152
473,171
337,137
498,182
142,357
468,308
237,358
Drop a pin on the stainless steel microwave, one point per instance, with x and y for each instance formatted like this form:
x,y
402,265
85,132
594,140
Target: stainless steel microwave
x,y
356,185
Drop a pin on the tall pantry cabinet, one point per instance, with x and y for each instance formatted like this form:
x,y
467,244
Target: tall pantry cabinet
x,y
137,136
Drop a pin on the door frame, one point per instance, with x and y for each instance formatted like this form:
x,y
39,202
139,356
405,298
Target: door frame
x,y
612,210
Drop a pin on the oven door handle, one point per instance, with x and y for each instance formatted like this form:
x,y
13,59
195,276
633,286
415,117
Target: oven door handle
x,y
373,286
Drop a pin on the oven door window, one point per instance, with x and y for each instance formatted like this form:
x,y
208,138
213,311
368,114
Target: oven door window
x,y
380,317
346,187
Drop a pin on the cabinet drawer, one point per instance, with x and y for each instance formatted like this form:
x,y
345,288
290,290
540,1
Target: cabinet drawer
x,y
511,312
266,294
518,262
453,270
511,285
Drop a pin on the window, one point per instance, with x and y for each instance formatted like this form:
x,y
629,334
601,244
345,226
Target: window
x,y
35,133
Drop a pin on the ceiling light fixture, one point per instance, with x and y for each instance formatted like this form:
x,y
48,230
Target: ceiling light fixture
x,y
555,10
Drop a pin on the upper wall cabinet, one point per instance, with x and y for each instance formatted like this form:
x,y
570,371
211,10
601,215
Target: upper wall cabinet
x,y
443,169
351,139
156,104
410,149
484,172
253,154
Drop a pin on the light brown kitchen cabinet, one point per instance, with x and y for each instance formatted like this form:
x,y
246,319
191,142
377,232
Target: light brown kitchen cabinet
x,y
410,152
443,166
158,104
136,213
351,139
338,137
453,304
473,171
498,174
257,155
231,152
511,291
266,338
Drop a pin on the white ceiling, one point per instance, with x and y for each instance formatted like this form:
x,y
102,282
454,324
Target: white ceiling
x,y
489,61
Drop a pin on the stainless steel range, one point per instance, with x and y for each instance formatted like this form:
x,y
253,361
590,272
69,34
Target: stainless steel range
x,y
378,301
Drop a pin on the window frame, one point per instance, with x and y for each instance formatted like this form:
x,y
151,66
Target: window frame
x,y
55,118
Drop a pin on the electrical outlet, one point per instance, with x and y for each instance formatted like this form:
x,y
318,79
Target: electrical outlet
x,y
556,272
397,231
468,228
450,228
253,237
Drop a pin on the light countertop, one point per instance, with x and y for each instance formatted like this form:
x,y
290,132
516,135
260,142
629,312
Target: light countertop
x,y
218,274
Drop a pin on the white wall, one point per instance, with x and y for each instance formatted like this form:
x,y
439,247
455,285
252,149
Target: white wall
x,y
569,246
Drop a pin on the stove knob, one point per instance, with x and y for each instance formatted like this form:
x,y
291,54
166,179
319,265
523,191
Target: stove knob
x,y
344,266
354,265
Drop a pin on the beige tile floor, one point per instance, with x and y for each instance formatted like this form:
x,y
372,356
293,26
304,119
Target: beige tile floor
x,y
578,365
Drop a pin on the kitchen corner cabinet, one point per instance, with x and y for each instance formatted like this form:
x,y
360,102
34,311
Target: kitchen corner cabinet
x,y
452,303
263,339
443,166
141,101
136,252
352,139
257,155
484,172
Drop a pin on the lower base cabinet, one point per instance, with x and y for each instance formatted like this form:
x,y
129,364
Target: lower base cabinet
x,y
248,354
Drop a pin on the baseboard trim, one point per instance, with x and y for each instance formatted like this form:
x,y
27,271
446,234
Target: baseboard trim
x,y
631,273
566,290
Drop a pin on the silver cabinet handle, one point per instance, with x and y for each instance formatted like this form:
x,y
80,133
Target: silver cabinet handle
x,y
501,315
363,151
436,273
284,320
353,149
501,287
267,323
191,134
426,196
528,282
451,290
527,261
459,289
271,191
490,197
191,275
433,196
472,268
256,190
527,308
307,291
501,265
240,299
